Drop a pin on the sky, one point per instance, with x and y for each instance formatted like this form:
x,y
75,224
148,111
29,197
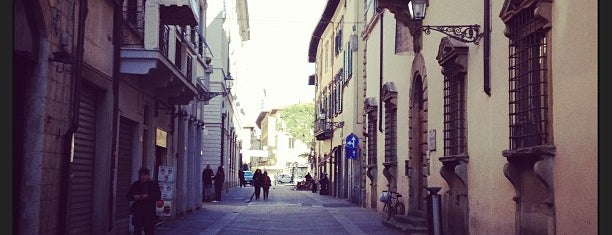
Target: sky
x,y
277,54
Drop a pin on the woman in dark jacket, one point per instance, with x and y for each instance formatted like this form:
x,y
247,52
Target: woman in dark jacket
x,y
257,183
219,180
144,193
266,183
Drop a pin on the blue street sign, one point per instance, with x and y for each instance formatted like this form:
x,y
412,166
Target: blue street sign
x,y
352,144
352,141
350,153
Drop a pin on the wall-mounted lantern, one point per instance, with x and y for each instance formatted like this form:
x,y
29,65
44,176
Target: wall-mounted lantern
x,y
464,33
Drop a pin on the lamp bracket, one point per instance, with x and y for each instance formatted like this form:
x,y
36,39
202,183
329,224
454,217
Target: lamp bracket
x,y
464,33
206,96
337,124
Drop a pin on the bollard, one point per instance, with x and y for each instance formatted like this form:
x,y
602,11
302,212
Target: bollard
x,y
435,211
314,187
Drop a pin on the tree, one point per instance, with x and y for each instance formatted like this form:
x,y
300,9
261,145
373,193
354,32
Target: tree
x,y
298,122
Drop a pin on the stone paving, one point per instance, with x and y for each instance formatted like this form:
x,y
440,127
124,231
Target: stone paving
x,y
285,212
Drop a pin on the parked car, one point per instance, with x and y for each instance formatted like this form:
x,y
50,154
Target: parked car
x,y
248,177
283,178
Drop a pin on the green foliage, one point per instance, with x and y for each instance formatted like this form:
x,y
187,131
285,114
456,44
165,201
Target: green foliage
x,y
299,122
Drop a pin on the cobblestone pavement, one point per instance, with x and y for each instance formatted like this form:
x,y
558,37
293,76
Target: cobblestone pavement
x,y
285,212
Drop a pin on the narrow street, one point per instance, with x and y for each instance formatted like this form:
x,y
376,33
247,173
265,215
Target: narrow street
x,y
285,212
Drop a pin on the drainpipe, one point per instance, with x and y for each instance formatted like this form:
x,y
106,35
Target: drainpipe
x,y
487,47
68,136
380,76
117,24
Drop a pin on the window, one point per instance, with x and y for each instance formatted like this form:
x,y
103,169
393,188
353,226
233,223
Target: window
x,y
348,63
338,39
389,98
372,115
454,115
528,87
291,143
338,91
178,54
189,67
132,11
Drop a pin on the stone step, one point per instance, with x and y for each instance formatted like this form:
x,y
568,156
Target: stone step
x,y
405,227
415,220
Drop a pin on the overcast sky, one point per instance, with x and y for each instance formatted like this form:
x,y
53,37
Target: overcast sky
x,y
277,52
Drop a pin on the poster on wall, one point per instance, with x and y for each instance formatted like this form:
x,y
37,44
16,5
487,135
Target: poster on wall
x,y
166,174
164,208
167,190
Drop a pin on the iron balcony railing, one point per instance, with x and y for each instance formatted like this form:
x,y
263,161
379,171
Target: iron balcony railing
x,y
164,38
133,26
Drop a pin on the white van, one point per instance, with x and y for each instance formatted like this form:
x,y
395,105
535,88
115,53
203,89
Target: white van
x,y
283,178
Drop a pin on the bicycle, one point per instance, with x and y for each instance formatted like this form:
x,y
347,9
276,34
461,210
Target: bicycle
x,y
393,204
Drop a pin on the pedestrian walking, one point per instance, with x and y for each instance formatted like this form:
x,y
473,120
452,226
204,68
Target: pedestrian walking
x,y
144,193
241,178
265,184
207,184
257,181
324,182
219,179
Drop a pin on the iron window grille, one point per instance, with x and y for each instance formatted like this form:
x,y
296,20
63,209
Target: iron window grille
x,y
528,87
454,115
390,132
133,23
372,138
164,36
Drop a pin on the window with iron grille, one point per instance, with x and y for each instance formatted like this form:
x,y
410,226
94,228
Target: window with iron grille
x,y
372,140
528,75
390,132
454,115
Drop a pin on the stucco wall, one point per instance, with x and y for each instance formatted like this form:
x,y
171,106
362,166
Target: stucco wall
x,y
575,107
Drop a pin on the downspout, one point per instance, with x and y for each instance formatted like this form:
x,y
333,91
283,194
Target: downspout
x,y
487,47
68,136
117,31
380,75
222,138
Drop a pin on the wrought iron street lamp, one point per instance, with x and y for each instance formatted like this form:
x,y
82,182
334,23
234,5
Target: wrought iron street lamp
x,y
464,33
227,78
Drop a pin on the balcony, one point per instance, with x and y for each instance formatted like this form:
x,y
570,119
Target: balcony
x,y
156,72
178,12
323,130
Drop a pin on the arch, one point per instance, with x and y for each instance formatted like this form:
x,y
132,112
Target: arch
x,y
417,157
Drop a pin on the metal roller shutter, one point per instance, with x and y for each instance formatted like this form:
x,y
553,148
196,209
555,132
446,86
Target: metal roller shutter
x,y
80,215
124,175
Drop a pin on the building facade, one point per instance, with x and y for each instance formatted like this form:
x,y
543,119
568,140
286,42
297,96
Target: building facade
x,y
100,100
334,50
282,153
480,114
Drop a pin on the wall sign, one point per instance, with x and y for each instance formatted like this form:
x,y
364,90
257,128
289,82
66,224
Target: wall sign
x,y
431,140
